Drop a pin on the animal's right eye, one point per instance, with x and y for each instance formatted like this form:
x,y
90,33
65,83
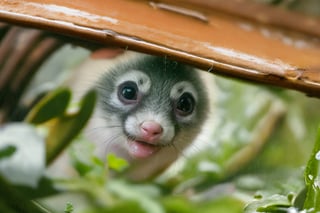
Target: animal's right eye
x,y
128,92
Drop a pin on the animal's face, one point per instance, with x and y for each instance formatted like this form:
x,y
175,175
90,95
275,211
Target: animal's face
x,y
150,105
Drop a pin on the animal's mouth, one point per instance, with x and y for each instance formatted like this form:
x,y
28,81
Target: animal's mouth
x,y
142,149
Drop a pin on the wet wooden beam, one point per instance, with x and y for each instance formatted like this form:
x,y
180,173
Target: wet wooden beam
x,y
239,40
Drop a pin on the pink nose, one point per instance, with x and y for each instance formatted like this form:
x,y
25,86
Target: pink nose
x,y
150,131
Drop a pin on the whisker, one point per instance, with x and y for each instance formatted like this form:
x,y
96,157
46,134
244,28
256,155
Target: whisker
x,y
95,130
180,153
111,140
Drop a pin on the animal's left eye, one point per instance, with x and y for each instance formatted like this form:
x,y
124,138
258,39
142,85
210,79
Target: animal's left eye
x,y
185,104
128,92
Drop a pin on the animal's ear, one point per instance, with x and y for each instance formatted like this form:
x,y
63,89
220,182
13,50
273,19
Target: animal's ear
x,y
105,53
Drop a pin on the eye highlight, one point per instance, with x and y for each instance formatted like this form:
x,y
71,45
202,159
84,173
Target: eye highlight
x,y
128,92
185,104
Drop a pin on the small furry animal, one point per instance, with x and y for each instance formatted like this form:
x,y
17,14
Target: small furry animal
x,y
149,109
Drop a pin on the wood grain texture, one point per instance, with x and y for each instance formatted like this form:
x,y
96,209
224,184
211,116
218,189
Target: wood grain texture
x,y
240,40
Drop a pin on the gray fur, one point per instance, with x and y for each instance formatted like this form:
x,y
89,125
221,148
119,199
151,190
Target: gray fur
x,y
163,74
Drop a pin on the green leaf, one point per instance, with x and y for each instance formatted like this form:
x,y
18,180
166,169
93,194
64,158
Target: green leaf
x,y
66,127
116,163
122,206
223,204
51,106
11,200
126,206
69,208
81,155
44,188
274,203
7,151
178,205
312,178
275,209
146,195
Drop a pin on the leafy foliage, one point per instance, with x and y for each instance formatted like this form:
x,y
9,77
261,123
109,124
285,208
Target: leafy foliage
x,y
239,170
7,151
312,178
69,208
62,126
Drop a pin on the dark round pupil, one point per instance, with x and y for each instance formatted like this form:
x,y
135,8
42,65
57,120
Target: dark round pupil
x,y
129,92
186,103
